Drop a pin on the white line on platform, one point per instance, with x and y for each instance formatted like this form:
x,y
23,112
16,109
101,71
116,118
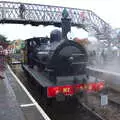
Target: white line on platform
x,y
27,105
45,116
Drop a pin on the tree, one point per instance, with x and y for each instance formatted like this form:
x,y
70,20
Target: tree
x,y
3,38
22,45
3,41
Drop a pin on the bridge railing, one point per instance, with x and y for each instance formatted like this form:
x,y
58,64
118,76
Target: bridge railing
x,y
11,10
15,11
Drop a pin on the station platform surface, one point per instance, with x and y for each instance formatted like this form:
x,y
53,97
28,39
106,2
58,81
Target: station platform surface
x,y
111,66
9,109
110,74
16,103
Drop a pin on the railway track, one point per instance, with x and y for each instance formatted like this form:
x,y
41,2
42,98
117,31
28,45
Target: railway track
x,y
114,102
110,111
93,112
70,109
114,97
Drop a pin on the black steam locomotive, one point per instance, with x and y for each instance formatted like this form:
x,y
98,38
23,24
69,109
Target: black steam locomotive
x,y
57,57
57,64
61,64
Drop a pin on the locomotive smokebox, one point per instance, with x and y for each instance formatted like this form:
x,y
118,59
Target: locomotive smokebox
x,y
66,24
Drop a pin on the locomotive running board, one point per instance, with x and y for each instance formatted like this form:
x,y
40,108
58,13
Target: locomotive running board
x,y
39,77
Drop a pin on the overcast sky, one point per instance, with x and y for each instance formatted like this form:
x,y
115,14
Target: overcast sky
x,y
108,10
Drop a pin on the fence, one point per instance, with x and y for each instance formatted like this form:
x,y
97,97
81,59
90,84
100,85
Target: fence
x,y
2,65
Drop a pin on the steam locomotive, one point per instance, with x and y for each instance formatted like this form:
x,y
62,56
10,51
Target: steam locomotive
x,y
58,57
58,64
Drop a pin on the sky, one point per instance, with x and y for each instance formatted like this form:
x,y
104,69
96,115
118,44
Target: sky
x,y
108,10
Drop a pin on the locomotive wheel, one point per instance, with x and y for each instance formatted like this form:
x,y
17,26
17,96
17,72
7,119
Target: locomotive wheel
x,y
49,101
39,90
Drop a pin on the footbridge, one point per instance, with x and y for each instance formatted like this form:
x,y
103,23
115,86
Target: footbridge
x,y
36,14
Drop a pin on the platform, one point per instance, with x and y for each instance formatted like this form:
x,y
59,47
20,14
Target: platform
x,y
111,78
16,103
9,109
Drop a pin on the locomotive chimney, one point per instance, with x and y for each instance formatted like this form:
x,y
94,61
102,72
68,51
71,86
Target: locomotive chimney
x,y
66,24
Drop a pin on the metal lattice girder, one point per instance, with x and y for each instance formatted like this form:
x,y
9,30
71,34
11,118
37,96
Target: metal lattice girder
x,y
35,14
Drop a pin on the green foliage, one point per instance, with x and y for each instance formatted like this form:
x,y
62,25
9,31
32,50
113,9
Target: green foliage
x,y
22,45
3,38
17,50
